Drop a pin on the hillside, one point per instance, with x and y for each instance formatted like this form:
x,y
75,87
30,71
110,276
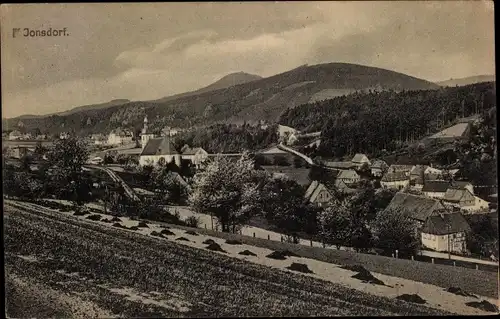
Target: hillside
x,y
467,80
264,99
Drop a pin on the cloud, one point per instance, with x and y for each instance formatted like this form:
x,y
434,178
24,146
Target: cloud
x,y
147,52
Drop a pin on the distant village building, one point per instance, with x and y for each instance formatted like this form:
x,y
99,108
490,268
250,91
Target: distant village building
x,y
120,136
98,139
455,132
157,148
341,186
395,180
171,131
400,168
287,134
417,176
435,189
349,177
318,194
64,135
446,233
379,168
338,165
360,159
15,135
196,155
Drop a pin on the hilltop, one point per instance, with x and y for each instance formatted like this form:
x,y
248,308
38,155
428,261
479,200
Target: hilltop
x,y
467,80
258,99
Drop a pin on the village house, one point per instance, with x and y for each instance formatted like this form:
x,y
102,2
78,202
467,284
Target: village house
x,y
318,194
463,185
171,131
287,134
417,176
435,189
98,139
418,208
379,168
120,137
15,135
446,233
343,187
360,159
18,151
338,165
461,198
196,155
395,180
349,177
400,168
299,175
157,148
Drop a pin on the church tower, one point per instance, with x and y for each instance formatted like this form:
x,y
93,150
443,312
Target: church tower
x,y
145,135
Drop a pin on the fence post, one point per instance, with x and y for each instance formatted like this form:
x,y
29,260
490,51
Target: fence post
x,y
432,259
254,234
268,237
477,267
205,226
392,255
397,253
454,263
311,242
412,258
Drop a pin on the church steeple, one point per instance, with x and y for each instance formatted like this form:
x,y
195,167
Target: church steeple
x,y
145,135
145,127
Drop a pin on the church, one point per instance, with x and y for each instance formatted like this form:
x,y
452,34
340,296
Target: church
x,y
154,148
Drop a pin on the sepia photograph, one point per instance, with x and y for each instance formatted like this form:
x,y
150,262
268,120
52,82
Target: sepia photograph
x,y
249,159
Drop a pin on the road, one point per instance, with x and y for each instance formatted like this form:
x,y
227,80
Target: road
x,y
59,266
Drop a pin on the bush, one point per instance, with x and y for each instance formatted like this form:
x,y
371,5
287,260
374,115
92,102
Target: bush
x,y
209,241
167,232
247,253
143,225
233,242
182,239
190,232
412,298
192,221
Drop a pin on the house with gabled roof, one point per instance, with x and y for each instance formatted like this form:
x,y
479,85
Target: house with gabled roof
x,y
395,180
120,136
463,185
360,159
343,187
418,208
349,177
417,174
338,165
462,198
196,155
435,189
379,167
318,194
157,148
445,233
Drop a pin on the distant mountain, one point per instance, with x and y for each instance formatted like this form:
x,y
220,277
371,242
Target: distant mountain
x,y
223,83
254,99
467,80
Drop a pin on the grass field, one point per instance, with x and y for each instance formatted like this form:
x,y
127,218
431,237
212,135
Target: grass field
x,y
106,272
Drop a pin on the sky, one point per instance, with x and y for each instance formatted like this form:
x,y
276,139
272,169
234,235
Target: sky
x,y
146,51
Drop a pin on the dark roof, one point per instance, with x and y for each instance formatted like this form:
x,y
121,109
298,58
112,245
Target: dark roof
x,y
341,165
446,224
419,208
455,195
436,186
300,175
379,164
460,184
394,176
159,146
357,158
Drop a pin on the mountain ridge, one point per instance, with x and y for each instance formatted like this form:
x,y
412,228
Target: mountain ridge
x,y
467,80
257,99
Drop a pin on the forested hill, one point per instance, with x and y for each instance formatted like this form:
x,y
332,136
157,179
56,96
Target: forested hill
x,y
372,122
255,100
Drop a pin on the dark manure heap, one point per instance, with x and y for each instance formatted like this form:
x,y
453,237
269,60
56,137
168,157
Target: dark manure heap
x,y
247,252
412,298
483,305
166,232
94,217
233,242
300,268
215,247
281,254
182,239
191,232
209,241
458,291
363,274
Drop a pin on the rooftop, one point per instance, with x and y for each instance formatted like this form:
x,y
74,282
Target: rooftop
x,y
418,207
159,146
446,224
436,186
